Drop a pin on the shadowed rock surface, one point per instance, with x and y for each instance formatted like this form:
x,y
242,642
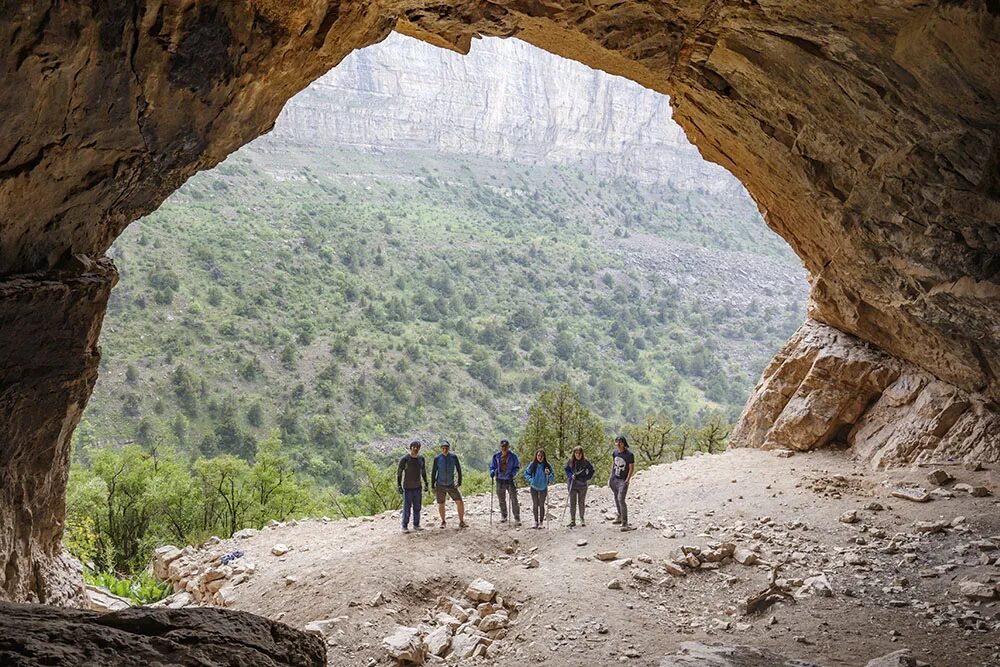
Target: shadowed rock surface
x,y
35,635
869,136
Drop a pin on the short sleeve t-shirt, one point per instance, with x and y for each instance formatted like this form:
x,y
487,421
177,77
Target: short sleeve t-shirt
x,y
622,461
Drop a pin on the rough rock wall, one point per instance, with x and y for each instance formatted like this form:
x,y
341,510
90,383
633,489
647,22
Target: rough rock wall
x,y
31,635
505,99
826,387
869,134
48,366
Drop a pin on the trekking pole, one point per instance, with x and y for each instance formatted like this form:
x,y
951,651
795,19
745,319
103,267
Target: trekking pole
x,y
491,500
569,489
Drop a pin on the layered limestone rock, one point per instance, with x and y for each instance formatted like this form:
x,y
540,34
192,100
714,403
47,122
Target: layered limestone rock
x,y
504,99
868,135
48,366
33,635
827,387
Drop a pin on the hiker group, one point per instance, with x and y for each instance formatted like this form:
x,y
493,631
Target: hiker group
x,y
446,478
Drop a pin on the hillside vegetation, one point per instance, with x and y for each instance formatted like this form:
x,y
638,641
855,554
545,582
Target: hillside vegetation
x,y
355,301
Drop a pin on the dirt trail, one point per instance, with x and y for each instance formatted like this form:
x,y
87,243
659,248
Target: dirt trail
x,y
892,586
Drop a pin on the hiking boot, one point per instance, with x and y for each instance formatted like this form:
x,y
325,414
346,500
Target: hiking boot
x,y
625,528
503,519
571,524
461,524
517,523
617,521
444,525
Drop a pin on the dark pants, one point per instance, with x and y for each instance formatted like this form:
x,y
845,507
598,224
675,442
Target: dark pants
x,y
538,505
620,488
411,501
577,499
505,486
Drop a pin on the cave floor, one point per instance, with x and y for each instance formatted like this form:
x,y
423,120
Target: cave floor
x,y
893,586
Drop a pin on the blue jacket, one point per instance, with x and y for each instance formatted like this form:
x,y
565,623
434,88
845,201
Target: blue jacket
x,y
444,470
513,465
584,471
539,475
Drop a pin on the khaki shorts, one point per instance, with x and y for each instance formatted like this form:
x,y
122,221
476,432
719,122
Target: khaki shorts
x,y
442,491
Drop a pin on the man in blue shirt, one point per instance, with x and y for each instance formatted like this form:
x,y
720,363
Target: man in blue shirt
x,y
446,477
503,468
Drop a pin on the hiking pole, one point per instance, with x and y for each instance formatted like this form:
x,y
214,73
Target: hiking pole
x,y
491,500
569,490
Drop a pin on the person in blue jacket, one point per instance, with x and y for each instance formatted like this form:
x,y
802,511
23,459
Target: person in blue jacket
x,y
503,468
578,473
446,477
539,475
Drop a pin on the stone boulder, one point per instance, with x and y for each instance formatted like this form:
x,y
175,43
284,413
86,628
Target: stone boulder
x,y
481,590
694,654
405,645
32,635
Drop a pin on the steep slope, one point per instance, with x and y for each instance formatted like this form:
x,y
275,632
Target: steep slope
x,y
369,322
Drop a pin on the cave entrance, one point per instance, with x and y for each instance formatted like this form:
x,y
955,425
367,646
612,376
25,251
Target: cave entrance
x,y
323,290
860,139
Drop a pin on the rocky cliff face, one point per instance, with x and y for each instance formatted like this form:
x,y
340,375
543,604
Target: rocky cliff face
x,y
869,135
504,99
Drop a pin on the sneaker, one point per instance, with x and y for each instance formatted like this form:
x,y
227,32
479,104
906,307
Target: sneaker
x,y
417,528
503,519
625,528
444,525
517,523
617,521
461,524
571,524
405,529
583,524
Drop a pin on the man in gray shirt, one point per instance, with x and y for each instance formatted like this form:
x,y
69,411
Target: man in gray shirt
x,y
409,473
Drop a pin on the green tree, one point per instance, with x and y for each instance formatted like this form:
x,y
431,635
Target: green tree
x,y
558,422
652,440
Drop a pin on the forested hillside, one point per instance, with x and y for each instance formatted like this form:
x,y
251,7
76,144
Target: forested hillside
x,y
356,301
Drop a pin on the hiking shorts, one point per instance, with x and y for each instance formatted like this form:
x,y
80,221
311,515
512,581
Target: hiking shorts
x,y
442,491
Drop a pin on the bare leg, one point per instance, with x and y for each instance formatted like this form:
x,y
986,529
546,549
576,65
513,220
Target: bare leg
x,y
441,511
460,504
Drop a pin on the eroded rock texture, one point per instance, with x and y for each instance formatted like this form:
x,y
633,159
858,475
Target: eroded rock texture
x,y
828,387
869,134
48,366
34,635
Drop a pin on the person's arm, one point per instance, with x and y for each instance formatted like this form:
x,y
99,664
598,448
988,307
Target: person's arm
x,y
569,471
550,475
458,469
434,473
399,475
631,468
589,471
423,473
516,466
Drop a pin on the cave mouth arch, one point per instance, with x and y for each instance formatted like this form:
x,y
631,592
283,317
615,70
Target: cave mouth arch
x,y
869,139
